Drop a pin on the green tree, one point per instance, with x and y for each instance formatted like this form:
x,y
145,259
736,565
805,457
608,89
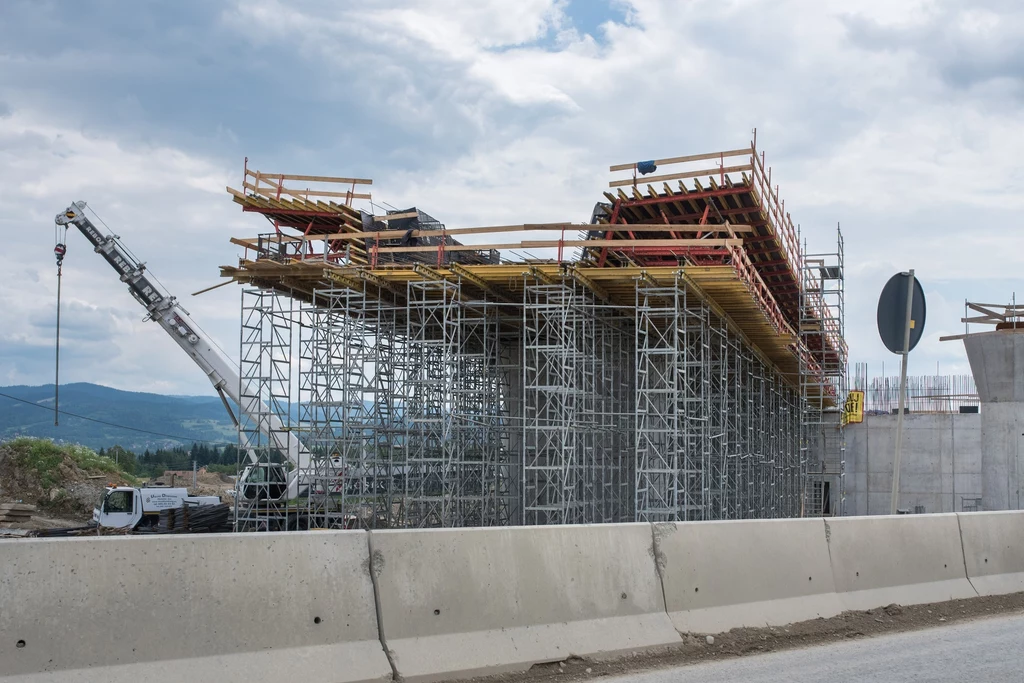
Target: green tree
x,y
123,458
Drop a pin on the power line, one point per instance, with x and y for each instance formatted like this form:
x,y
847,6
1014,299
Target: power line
x,y
112,424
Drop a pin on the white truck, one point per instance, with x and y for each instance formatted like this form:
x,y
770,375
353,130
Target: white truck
x,y
138,508
259,480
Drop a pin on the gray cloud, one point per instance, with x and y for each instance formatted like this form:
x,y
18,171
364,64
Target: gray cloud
x,y
880,118
964,46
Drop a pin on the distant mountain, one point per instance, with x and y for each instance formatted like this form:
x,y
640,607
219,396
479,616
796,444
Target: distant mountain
x,y
184,418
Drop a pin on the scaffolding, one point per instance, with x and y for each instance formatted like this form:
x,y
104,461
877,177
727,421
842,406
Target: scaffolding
x,y
265,356
577,407
687,363
823,380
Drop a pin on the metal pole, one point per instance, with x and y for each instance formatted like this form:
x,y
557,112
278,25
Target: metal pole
x,y
903,390
195,469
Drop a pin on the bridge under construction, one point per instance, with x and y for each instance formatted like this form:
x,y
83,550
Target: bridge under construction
x,y
680,356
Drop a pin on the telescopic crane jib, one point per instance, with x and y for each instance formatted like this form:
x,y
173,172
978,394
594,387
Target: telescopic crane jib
x,y
165,310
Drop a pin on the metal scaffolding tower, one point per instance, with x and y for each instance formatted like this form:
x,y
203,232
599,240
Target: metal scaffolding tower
x,y
716,429
265,356
823,380
453,409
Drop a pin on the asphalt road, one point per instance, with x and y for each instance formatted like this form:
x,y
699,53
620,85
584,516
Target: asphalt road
x,y
983,651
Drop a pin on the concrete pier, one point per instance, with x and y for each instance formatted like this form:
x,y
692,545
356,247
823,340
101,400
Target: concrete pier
x,y
997,361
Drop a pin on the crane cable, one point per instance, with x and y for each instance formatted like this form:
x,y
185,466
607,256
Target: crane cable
x,y
59,249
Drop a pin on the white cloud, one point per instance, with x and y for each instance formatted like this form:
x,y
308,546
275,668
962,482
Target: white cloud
x,y
869,137
897,119
170,210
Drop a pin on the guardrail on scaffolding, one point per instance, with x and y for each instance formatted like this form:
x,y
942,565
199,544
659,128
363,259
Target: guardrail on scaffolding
x,y
768,304
761,184
831,332
780,224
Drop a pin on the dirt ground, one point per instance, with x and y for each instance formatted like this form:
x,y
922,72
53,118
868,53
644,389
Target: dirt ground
x,y
207,484
750,641
68,500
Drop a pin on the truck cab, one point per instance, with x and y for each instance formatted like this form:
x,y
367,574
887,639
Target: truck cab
x,y
125,506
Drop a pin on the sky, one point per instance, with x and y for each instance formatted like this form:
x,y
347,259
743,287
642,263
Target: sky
x,y
898,121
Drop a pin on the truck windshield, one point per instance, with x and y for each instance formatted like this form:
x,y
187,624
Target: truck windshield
x,y
118,501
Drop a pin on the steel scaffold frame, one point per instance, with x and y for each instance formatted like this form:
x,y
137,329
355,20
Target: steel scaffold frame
x,y
337,400
552,379
717,434
823,381
433,330
447,410
265,372
577,408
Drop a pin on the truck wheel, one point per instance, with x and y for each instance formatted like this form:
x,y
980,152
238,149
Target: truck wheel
x,y
298,523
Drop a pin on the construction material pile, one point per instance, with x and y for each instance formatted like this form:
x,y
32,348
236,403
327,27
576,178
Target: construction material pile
x,y
202,519
16,512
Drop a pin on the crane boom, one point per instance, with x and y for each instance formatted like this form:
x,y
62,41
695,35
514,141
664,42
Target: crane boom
x,y
164,309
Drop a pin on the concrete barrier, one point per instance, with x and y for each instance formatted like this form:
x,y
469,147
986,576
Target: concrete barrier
x,y
228,608
722,575
994,551
468,602
906,559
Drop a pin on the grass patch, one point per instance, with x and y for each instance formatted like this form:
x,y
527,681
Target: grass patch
x,y
45,459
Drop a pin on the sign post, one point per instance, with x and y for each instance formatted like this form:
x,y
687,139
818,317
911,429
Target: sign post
x,y
894,506
901,315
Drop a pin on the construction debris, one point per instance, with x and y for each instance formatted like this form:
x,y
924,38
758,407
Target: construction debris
x,y
16,512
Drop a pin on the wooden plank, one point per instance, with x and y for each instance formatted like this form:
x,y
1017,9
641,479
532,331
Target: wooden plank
x,y
1008,307
981,308
397,216
679,176
710,228
311,178
272,192
544,244
684,159
213,287
539,244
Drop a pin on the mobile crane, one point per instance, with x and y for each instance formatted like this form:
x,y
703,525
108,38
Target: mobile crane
x,y
258,480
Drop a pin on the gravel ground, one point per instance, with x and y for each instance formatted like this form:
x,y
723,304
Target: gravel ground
x,y
980,651
697,648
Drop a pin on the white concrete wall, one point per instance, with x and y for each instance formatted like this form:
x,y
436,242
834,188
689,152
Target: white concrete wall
x,y
231,608
473,602
460,602
941,462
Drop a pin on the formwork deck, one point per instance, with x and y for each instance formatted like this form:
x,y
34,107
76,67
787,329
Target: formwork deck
x,y
694,197
503,284
724,227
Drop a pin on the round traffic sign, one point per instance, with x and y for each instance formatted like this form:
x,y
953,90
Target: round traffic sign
x,y
892,313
